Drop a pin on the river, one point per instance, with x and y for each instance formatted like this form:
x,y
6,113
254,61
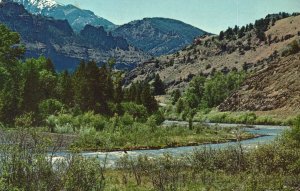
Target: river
x,y
270,132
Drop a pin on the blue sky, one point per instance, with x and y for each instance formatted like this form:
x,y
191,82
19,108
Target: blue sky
x,y
209,15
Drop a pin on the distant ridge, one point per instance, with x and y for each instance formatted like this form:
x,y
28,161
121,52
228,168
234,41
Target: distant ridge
x,y
158,36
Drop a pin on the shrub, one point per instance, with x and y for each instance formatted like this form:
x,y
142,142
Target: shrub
x,y
89,119
26,120
139,112
127,119
49,107
293,136
292,48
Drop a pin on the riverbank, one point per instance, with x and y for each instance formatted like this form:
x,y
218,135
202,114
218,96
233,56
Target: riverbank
x,y
143,137
249,118
174,145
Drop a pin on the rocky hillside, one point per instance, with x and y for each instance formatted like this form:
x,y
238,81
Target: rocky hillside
x,y
209,54
77,17
158,36
275,87
267,50
55,39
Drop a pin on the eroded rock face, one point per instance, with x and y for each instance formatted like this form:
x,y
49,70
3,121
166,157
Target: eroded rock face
x,y
275,87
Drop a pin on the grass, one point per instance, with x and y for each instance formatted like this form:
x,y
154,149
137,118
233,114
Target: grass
x,y
142,136
242,117
25,165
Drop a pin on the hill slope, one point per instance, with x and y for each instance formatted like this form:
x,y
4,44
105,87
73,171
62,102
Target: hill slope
x,y
158,36
247,52
55,39
275,87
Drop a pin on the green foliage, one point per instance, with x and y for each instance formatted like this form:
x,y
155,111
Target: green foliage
x,y
209,93
49,107
25,121
27,165
10,49
140,93
68,123
195,92
35,87
176,94
293,136
179,106
139,112
221,35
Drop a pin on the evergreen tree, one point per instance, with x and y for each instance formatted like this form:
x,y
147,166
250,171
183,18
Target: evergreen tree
x,y
229,33
106,89
81,89
10,75
221,35
119,95
241,32
10,50
66,94
49,66
47,78
236,29
176,94
158,85
148,99
95,91
31,92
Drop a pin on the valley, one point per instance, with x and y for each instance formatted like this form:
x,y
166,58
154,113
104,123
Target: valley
x,y
152,104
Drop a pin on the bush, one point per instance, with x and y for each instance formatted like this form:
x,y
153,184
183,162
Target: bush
x,y
89,119
139,112
27,165
127,119
26,120
294,134
49,107
67,123
292,48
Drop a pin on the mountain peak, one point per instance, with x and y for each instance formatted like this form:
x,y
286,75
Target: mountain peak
x,y
39,5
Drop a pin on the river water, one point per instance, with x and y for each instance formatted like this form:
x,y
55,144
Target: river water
x,y
270,132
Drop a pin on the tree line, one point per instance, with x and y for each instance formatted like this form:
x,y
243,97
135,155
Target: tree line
x,y
33,86
260,26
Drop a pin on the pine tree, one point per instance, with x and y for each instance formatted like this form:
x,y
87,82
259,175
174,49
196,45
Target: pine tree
x,y
106,91
49,66
95,93
66,94
80,87
31,92
221,35
158,85
119,95
148,99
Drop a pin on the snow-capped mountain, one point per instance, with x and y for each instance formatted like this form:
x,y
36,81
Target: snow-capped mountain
x,y
37,6
78,18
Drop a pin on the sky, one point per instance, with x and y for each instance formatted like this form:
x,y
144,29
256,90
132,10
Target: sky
x,y
209,15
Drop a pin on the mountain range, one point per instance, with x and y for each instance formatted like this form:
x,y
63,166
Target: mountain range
x,y
159,36
155,36
56,39
78,18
